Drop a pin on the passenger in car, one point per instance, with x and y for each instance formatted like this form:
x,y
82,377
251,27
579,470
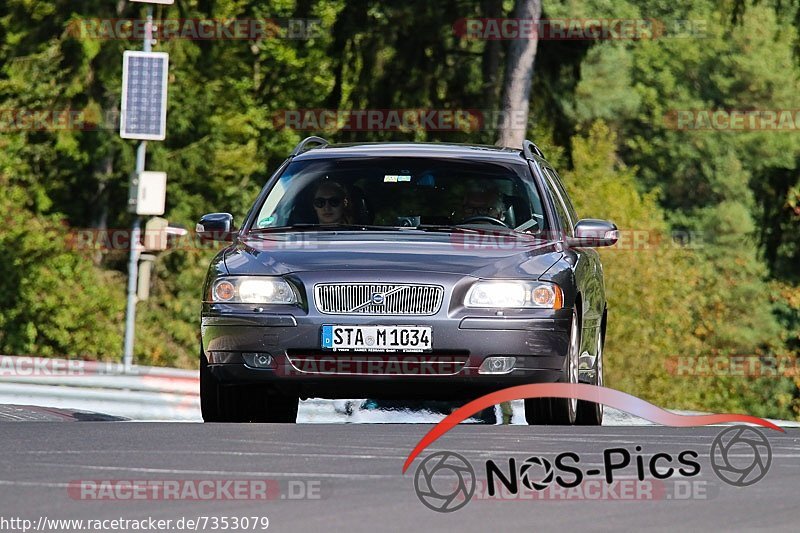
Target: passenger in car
x,y
332,203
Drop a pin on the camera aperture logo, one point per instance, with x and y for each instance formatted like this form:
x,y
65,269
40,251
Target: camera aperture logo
x,y
525,472
741,456
433,482
446,481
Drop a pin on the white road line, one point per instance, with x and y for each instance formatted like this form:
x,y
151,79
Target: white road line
x,y
205,452
34,484
227,473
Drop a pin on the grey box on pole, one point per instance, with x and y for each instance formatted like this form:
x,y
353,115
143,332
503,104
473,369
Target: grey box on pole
x,y
144,95
148,193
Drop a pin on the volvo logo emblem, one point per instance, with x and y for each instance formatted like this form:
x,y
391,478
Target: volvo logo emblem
x,y
378,298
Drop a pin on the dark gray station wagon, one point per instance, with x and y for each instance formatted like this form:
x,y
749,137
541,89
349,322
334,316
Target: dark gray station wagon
x,y
403,271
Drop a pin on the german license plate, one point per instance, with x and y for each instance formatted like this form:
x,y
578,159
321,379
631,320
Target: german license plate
x,y
377,338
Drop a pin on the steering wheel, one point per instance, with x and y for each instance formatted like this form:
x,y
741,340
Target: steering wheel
x,y
484,218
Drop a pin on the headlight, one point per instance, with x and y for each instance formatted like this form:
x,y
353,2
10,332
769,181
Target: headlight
x,y
515,294
253,290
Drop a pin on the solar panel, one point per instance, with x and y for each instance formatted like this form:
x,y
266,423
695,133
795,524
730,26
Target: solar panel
x,y
144,95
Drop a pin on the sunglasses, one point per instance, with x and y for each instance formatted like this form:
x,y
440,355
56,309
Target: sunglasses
x,y
482,210
333,201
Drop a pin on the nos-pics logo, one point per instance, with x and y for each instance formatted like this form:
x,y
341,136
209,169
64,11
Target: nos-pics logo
x,y
445,481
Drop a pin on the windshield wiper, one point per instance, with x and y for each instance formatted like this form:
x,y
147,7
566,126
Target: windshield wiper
x,y
445,228
472,229
371,227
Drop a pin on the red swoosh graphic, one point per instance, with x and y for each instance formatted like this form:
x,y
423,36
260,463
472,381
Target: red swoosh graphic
x,y
592,393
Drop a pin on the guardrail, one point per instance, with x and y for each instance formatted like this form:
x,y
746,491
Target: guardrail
x,y
144,393
150,393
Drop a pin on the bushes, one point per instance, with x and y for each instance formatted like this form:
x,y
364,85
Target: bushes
x,y
55,301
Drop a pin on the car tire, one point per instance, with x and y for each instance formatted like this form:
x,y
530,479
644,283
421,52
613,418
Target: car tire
x,y
253,403
591,413
209,392
268,406
559,411
242,403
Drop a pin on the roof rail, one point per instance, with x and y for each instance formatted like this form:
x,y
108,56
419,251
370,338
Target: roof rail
x,y
529,150
305,142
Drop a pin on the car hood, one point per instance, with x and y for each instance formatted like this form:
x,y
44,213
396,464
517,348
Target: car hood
x,y
479,255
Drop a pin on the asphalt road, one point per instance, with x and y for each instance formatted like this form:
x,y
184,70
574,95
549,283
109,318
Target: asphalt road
x,y
353,472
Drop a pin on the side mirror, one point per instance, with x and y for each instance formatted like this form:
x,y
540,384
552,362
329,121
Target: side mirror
x,y
591,232
216,227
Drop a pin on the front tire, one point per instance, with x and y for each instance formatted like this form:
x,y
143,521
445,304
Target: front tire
x,y
559,411
209,392
267,406
242,403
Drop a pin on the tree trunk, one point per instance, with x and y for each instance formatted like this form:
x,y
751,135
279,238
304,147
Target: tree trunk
x,y
519,72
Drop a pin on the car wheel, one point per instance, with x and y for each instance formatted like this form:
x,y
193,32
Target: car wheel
x,y
267,406
252,403
559,411
242,403
591,413
209,392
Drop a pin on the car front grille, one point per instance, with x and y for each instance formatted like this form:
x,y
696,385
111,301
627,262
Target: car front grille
x,y
378,299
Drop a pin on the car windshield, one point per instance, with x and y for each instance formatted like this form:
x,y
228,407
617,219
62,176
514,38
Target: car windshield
x,y
391,192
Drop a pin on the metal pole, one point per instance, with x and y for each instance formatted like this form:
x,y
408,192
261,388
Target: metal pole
x,y
148,30
133,260
130,310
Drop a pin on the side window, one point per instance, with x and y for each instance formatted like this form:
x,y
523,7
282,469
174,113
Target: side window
x,y
561,210
564,196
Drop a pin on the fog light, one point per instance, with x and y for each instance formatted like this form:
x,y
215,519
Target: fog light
x,y
257,359
497,365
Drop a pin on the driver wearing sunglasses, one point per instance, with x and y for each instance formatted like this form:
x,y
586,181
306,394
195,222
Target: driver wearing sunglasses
x,y
484,203
331,203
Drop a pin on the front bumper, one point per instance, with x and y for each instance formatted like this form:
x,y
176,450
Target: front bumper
x,y
538,339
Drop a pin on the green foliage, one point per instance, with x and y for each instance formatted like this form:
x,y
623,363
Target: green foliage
x,y
55,301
